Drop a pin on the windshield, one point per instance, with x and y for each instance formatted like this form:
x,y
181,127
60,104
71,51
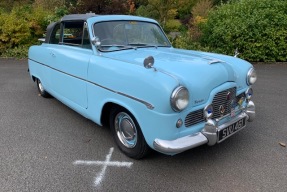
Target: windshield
x,y
118,35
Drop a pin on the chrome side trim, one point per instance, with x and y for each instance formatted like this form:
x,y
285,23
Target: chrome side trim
x,y
169,74
148,105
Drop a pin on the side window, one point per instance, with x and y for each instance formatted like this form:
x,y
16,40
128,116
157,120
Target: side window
x,y
55,35
73,33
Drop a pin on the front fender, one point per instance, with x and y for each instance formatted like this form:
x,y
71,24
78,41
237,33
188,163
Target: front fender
x,y
146,86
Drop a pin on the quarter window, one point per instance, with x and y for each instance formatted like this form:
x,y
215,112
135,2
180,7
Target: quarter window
x,y
55,36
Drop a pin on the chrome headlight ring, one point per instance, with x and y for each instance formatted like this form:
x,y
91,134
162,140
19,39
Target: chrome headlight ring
x,y
179,98
251,77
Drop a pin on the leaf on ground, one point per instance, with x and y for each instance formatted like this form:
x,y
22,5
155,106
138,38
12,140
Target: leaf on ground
x,y
87,141
282,144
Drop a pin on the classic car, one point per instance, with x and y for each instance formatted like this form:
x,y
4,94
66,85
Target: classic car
x,y
122,72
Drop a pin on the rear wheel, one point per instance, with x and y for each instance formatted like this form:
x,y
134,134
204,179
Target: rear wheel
x,y
127,133
41,89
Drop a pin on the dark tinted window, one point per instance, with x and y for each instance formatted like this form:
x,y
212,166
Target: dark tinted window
x,y
55,35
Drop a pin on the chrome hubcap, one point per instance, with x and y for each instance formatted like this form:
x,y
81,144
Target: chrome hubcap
x,y
40,86
126,130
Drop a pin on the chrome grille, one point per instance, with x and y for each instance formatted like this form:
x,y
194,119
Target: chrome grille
x,y
193,118
222,100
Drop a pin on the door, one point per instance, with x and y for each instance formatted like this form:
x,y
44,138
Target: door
x,y
69,63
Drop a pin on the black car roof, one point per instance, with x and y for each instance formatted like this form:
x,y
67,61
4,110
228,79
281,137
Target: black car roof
x,y
82,17
71,17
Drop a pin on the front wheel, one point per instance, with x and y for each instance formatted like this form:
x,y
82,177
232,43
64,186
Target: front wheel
x,y
127,133
41,89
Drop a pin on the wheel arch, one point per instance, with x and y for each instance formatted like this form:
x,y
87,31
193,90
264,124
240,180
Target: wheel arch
x,y
34,78
139,148
106,109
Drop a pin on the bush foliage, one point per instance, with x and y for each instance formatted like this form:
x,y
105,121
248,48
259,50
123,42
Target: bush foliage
x,y
21,28
258,28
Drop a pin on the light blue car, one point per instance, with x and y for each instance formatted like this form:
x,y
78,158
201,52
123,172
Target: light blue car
x,y
122,72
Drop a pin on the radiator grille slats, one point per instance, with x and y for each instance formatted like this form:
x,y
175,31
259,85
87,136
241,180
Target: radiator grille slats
x,y
194,118
222,99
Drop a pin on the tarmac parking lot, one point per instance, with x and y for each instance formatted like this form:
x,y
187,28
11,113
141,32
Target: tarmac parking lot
x,y
46,146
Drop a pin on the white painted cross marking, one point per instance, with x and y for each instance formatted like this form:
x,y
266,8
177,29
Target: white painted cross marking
x,y
105,164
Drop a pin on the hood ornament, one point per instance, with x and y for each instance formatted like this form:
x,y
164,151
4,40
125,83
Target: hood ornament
x,y
236,52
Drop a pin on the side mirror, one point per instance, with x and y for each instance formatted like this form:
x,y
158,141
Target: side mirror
x,y
96,41
148,62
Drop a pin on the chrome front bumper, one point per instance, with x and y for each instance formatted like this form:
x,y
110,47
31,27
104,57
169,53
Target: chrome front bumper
x,y
207,135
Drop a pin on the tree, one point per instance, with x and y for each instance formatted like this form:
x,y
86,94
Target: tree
x,y
102,6
7,5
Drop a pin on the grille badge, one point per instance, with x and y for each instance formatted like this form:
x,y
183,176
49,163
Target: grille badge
x,y
221,109
228,96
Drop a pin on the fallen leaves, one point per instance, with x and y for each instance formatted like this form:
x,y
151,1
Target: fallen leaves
x,y
282,144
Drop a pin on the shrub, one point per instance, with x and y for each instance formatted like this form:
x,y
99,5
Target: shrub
x,y
199,17
21,28
172,25
258,28
185,41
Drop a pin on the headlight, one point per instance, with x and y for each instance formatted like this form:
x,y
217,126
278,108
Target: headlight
x,y
251,76
179,98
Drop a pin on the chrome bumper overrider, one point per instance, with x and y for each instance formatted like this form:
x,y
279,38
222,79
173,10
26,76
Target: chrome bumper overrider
x,y
207,135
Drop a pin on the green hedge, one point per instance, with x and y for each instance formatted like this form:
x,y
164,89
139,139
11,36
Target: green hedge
x,y
21,28
258,28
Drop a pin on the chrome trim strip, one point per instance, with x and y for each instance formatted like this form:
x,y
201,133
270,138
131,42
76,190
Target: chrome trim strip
x,y
148,105
169,74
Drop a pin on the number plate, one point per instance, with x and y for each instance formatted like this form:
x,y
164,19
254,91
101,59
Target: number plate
x,y
231,129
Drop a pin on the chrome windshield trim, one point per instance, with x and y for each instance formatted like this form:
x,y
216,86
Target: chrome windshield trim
x,y
147,104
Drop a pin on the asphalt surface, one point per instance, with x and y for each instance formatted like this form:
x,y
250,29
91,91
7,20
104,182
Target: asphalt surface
x,y
42,142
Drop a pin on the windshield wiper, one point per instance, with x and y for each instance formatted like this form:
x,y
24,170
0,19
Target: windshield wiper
x,y
140,45
114,47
